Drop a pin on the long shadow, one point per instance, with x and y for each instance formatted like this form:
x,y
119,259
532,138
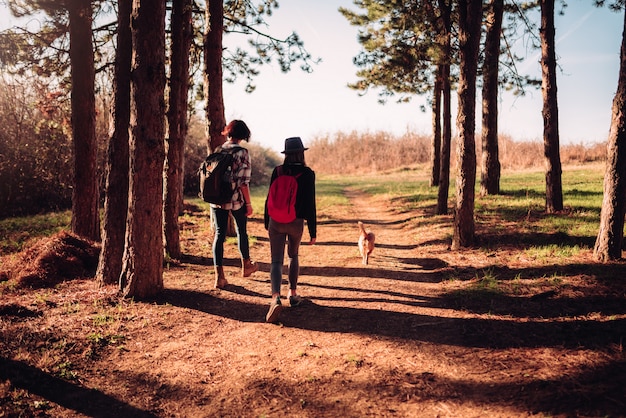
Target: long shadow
x,y
427,264
89,402
203,302
207,261
532,239
371,272
605,273
379,296
540,306
378,244
548,304
336,221
467,332
483,301
588,392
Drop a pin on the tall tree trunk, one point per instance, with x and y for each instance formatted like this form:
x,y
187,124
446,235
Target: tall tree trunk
x,y
214,96
610,238
177,123
435,158
554,189
85,195
142,266
446,138
470,16
490,173
116,192
446,144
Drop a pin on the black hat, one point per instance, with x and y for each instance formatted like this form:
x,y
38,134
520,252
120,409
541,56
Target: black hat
x,y
293,144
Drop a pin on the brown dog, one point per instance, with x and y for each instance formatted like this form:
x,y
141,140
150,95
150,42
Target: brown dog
x,y
366,243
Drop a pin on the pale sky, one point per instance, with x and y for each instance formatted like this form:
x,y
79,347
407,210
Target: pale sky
x,y
310,105
320,103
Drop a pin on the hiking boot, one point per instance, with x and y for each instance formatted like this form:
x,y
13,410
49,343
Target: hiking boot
x,y
220,278
248,267
275,308
295,300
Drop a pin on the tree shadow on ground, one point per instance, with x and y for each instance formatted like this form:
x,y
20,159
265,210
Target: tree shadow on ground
x,y
466,332
426,276
379,244
89,402
206,261
521,240
596,391
607,273
353,221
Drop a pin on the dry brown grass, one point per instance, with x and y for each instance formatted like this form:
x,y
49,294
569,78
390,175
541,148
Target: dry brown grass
x,y
372,152
368,152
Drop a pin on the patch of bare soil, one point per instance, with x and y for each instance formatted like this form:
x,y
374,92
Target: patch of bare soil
x,y
420,331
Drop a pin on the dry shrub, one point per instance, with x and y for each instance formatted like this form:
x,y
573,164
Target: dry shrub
x,y
51,260
530,154
579,153
366,152
524,154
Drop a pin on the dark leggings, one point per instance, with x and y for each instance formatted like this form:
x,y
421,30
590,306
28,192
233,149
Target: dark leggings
x,y
220,220
279,234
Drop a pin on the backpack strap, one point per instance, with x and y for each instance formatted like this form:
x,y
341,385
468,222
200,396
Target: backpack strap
x,y
232,150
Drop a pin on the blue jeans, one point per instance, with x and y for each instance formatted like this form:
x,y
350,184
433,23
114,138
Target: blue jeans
x,y
220,220
279,234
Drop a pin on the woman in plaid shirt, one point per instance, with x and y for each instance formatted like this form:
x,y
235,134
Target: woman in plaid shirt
x,y
240,205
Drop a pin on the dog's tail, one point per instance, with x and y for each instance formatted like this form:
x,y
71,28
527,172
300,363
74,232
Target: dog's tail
x,y
362,228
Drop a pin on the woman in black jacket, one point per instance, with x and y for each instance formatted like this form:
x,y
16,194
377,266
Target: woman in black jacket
x,y
290,233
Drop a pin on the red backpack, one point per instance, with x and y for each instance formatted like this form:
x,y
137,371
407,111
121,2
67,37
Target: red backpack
x,y
281,200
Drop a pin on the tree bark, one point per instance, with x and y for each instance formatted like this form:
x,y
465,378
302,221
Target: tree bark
x,y
142,267
435,158
554,189
213,93
446,144
490,173
446,135
610,238
177,123
470,17
85,195
116,188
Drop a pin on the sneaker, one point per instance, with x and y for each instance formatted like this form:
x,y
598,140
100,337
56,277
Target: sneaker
x,y
275,308
295,300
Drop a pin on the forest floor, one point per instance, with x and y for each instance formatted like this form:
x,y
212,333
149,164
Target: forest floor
x,y
421,331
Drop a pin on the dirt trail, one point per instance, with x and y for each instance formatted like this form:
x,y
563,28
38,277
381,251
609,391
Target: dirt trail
x,y
382,340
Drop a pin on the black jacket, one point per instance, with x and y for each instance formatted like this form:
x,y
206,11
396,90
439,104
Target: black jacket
x,y
305,198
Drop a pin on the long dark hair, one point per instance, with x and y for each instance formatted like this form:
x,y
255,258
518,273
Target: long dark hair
x,y
295,158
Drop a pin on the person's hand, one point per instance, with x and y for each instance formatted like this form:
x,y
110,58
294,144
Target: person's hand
x,y
312,242
249,209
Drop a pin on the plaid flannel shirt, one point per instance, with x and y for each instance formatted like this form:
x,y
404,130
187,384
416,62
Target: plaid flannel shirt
x,y
242,170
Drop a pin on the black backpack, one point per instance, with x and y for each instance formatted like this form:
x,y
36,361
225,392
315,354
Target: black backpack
x,y
216,176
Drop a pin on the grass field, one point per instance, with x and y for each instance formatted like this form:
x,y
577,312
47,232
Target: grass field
x,y
522,198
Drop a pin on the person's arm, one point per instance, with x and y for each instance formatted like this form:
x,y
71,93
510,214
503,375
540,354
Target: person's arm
x,y
245,191
312,219
242,176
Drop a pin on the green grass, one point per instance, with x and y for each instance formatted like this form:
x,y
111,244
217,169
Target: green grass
x,y
521,204
15,232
